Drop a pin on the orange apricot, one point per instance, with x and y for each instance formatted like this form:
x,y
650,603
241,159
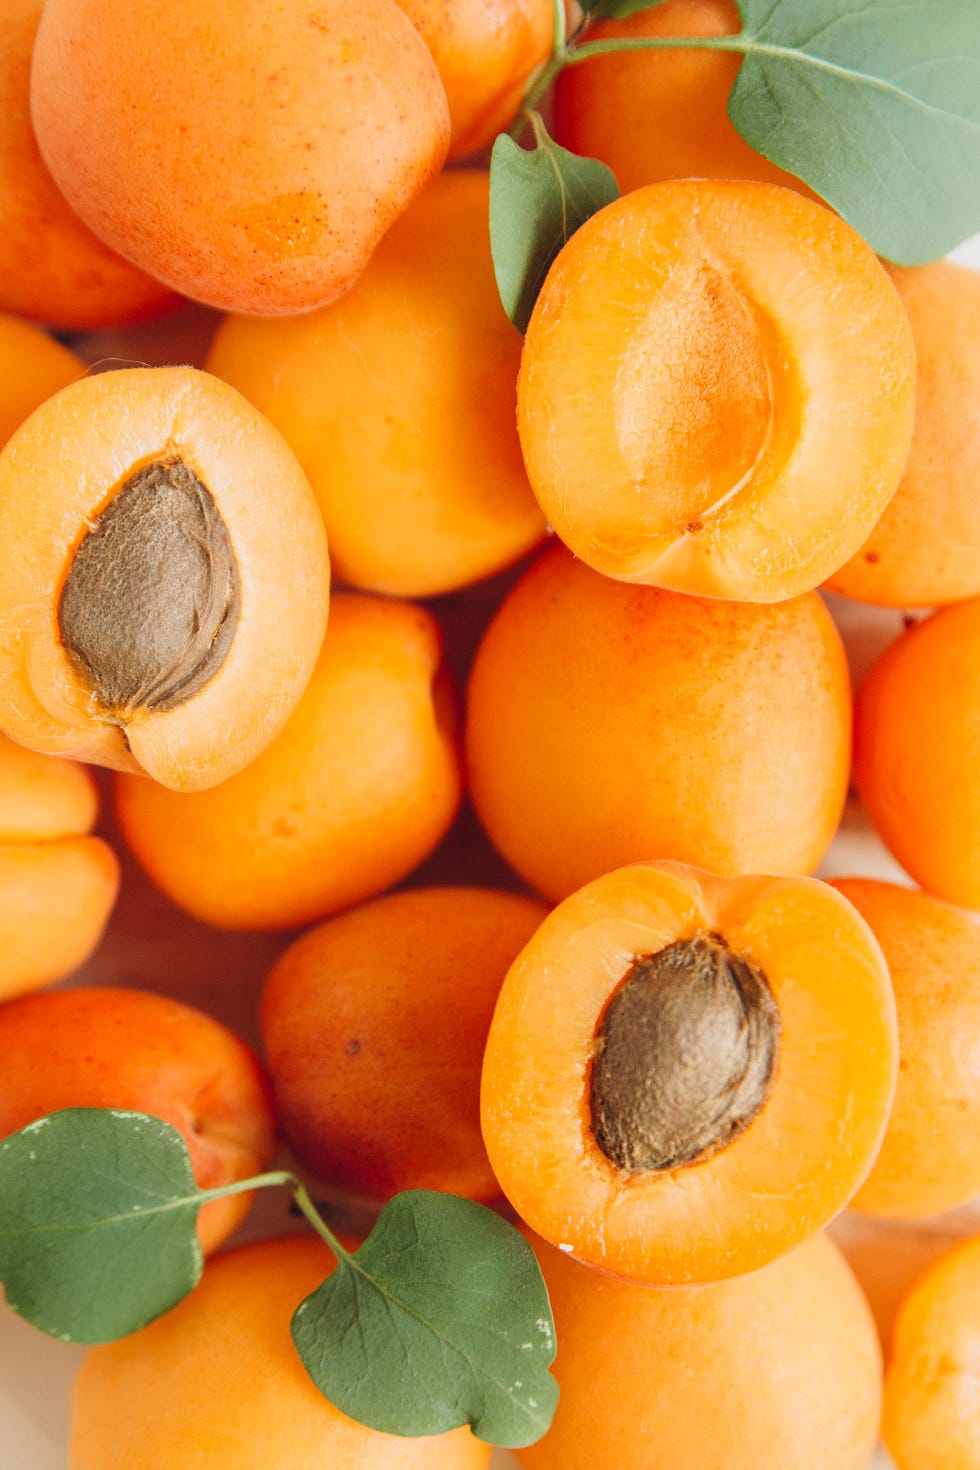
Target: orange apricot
x,y
98,1047
930,1419
355,791
716,390
779,1370
608,723
484,53
925,550
52,268
32,367
928,1160
163,577
280,157
173,1392
917,751
57,884
686,1075
663,113
399,403
374,1026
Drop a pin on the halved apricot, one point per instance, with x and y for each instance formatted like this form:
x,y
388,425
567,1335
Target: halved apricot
x,y
163,577
686,1076
716,390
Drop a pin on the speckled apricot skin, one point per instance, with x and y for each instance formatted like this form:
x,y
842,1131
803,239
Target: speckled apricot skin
x,y
256,166
925,550
609,723
929,1420
172,1393
100,1047
374,1025
353,793
52,268
58,472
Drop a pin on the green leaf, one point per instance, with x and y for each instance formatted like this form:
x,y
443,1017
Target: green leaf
x,y
876,105
616,9
97,1222
440,1319
538,199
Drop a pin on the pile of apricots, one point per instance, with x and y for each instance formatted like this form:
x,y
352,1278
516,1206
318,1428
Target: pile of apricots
x,y
470,713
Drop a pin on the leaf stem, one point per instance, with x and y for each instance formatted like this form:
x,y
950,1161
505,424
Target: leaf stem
x,y
575,54
243,1186
306,1207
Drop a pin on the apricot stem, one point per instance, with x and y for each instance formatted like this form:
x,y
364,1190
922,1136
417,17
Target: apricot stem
x,y
274,1178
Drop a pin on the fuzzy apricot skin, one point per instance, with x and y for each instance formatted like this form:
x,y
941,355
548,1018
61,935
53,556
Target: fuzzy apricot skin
x,y
58,885
115,1048
355,791
661,114
716,390
414,459
802,1156
58,472
928,1160
52,268
609,723
925,550
930,1419
779,1370
917,751
281,156
374,1026
32,367
485,50
173,1392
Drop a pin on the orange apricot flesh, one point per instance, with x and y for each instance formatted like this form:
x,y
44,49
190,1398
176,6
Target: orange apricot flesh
x,y
928,1159
720,1199
716,390
173,1393
930,1419
97,1047
779,1370
155,690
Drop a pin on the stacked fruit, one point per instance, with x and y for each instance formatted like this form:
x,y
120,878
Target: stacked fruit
x,y
629,1047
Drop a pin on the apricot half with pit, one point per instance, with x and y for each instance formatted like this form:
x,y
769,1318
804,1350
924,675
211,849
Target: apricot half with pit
x,y
163,577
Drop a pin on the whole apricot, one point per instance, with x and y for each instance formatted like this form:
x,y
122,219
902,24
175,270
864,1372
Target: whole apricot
x,y
32,367
374,1026
98,1047
219,1381
261,173
609,723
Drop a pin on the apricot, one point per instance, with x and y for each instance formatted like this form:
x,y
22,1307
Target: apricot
x,y
163,577
928,1160
173,1392
930,1419
278,159
609,723
357,789
32,367
399,403
57,883
52,268
686,1076
484,52
917,751
663,113
716,390
925,550
103,1047
779,1370
374,1026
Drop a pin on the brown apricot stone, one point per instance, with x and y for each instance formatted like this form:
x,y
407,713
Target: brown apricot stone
x,y
163,577
687,1047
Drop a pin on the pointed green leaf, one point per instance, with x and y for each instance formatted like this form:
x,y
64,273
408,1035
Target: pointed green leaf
x,y
538,199
440,1319
876,105
97,1222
